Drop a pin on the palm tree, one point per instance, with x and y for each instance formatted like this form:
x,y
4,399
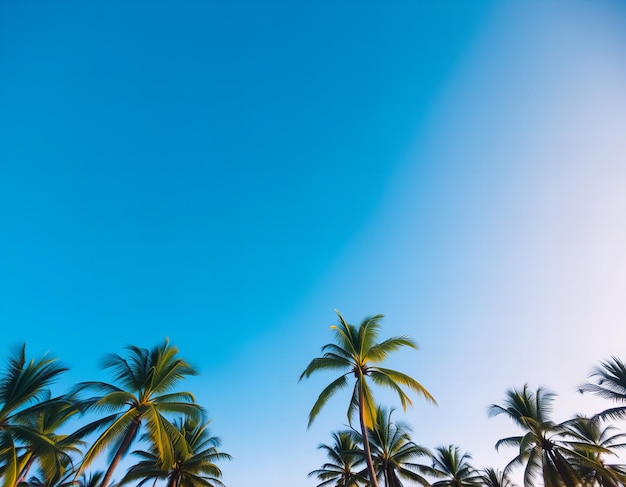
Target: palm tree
x,y
543,446
609,382
344,456
491,477
49,449
358,353
23,393
193,463
454,468
591,442
394,453
146,378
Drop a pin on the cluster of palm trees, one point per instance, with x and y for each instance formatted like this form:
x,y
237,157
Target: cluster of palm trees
x,y
574,453
141,407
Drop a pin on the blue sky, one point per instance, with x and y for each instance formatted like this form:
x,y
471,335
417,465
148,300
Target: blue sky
x,y
226,174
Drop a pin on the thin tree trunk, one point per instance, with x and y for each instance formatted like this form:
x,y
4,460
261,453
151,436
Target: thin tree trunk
x,y
24,472
121,451
366,441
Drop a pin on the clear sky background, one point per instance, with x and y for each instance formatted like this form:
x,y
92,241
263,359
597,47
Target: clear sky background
x,y
225,174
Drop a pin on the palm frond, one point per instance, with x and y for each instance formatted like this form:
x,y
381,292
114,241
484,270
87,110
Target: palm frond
x,y
325,395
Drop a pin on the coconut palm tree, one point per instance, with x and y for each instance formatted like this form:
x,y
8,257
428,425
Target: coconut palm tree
x,y
592,442
343,458
454,468
193,463
50,450
394,453
608,380
543,446
491,477
23,393
357,353
144,396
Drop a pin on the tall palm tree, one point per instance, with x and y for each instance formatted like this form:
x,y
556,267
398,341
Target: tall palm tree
x,y
394,453
591,443
343,458
358,353
543,446
24,391
491,477
454,468
193,463
608,380
144,396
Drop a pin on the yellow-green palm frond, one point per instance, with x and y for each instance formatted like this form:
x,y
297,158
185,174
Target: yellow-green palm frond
x,y
328,392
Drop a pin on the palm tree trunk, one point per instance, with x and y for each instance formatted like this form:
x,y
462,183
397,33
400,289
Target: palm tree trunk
x,y
24,472
366,441
130,435
565,474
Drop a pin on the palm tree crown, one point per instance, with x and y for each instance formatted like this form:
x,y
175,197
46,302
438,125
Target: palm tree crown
x,y
609,382
343,457
394,453
358,353
49,449
592,443
495,478
543,446
24,392
454,467
193,463
146,378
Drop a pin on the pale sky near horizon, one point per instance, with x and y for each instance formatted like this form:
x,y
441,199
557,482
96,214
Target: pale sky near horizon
x,y
226,174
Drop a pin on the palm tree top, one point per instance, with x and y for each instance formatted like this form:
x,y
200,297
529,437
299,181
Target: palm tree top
x,y
453,465
608,380
357,352
343,457
193,463
26,382
146,379
155,370
528,409
492,477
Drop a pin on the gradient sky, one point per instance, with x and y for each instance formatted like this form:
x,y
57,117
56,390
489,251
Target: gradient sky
x,y
225,174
